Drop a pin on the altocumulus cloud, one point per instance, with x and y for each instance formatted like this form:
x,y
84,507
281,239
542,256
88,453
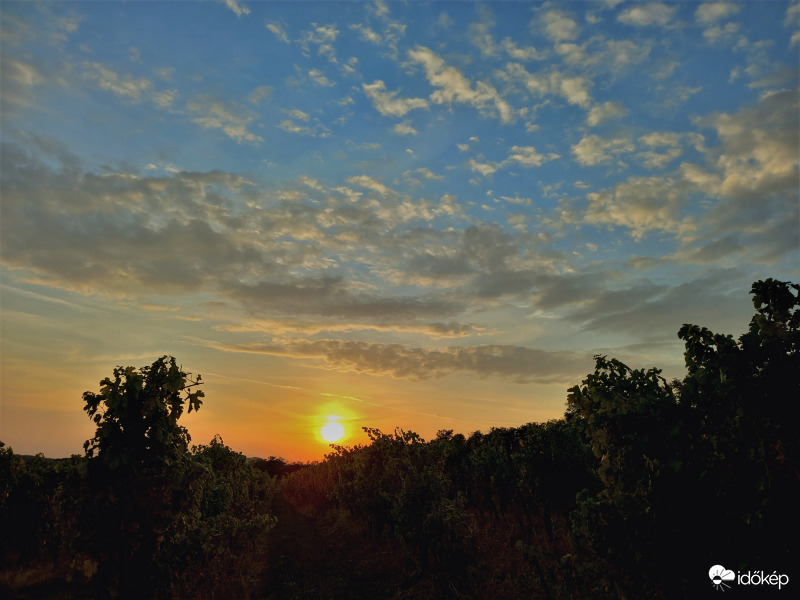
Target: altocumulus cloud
x,y
515,363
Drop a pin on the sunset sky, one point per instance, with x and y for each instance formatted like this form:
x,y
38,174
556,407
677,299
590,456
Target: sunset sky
x,y
428,215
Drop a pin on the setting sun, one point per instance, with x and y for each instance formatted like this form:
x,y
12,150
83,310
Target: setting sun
x,y
332,431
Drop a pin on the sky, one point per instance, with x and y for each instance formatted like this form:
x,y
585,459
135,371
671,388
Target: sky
x,y
426,215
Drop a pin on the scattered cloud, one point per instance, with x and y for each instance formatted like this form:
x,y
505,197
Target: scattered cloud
x,y
404,129
319,78
523,156
371,184
559,26
453,86
232,118
127,87
387,103
650,13
388,194
604,112
279,31
261,94
523,53
641,204
237,6
669,144
527,156
574,89
594,150
711,12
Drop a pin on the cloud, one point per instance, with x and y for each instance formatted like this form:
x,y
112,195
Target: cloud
x,y
651,311
481,37
331,299
485,169
792,19
485,263
599,54
20,79
260,94
320,34
292,127
297,114
515,363
404,129
758,153
415,176
166,98
594,150
716,34
368,34
525,53
559,26
574,89
680,94
128,87
319,78
165,73
604,112
527,156
524,156
455,87
323,37
669,142
710,12
371,184
651,13
278,30
387,103
118,234
641,204
238,7
232,118
209,112
388,37
291,325
753,175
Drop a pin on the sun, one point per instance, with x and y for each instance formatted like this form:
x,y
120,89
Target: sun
x,y
332,431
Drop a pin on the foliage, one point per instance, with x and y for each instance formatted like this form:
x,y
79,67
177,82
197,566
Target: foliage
x,y
137,415
593,503
140,515
590,505
440,498
212,549
711,460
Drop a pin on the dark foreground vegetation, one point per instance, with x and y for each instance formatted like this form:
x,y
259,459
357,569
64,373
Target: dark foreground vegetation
x,y
635,493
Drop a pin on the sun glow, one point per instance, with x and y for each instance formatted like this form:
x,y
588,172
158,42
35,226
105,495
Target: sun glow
x,y
332,431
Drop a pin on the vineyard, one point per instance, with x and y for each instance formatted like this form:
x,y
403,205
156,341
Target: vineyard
x,y
592,505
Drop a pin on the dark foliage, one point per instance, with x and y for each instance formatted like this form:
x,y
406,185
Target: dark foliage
x,y
593,505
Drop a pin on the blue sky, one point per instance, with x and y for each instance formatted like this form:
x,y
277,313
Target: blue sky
x,y
419,214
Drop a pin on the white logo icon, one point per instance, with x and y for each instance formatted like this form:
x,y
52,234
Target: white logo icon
x,y
719,575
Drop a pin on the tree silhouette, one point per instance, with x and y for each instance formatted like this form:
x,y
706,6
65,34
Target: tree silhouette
x,y
140,470
137,415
